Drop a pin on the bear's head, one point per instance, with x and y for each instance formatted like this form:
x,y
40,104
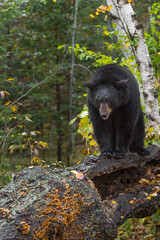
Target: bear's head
x,y
107,97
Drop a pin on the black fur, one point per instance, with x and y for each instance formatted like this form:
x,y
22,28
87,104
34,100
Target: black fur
x,y
121,127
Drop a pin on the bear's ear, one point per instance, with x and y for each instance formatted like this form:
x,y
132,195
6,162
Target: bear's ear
x,y
89,85
121,83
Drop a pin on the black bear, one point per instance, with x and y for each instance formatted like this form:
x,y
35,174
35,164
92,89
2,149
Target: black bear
x,y
115,111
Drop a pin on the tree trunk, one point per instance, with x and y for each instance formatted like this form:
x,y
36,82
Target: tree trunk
x,y
58,123
89,201
127,23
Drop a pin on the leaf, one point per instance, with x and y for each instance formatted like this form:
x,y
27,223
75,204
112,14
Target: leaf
x,y
105,18
79,176
106,33
150,129
149,196
7,103
74,171
91,15
114,25
59,47
114,202
143,180
101,8
14,108
72,121
7,93
28,118
109,8
43,144
127,44
85,151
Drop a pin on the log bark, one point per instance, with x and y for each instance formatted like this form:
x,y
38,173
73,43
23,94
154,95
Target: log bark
x,y
88,201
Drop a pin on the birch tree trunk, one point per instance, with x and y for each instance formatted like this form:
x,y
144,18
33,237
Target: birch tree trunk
x,y
127,23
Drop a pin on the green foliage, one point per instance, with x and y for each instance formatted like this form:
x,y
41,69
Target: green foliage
x,y
142,228
153,38
85,129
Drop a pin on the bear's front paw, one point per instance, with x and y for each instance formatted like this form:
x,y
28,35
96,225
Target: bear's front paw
x,y
143,152
106,154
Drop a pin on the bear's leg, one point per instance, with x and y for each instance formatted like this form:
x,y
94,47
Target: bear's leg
x,y
122,132
102,129
137,144
103,132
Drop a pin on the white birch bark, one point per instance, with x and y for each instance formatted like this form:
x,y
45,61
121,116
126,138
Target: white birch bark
x,y
126,21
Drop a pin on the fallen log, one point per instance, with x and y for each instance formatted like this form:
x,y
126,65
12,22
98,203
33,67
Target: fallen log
x,y
88,201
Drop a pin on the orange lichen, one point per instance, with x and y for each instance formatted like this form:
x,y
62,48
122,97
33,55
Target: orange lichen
x,y
5,212
24,227
60,215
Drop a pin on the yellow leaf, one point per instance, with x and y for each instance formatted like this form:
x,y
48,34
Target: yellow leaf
x,y
97,13
85,151
7,93
114,202
149,196
54,0
14,108
106,33
74,171
150,129
79,162
43,144
109,8
101,8
122,217
143,180
93,143
158,53
105,18
7,103
127,44
12,136
91,15
10,79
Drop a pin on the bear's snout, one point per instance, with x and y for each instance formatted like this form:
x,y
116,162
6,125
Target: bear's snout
x,y
104,110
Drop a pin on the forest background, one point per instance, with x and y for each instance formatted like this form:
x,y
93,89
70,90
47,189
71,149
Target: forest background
x,y
41,83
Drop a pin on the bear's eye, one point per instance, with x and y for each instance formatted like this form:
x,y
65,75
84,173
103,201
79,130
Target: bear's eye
x,y
108,100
